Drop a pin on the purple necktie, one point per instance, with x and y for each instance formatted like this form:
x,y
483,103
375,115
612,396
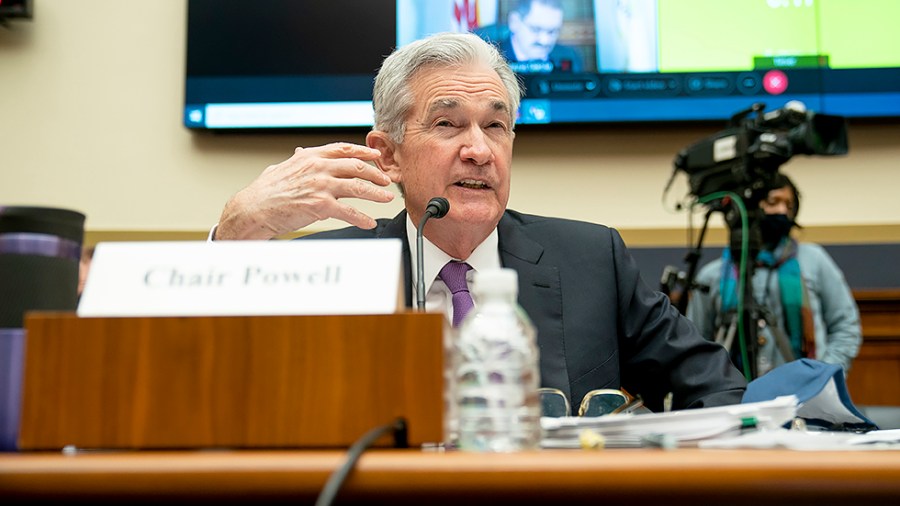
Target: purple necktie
x,y
454,276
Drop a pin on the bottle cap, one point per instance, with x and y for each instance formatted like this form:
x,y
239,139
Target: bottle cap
x,y
496,281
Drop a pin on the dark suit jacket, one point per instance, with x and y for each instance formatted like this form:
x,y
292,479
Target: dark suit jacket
x,y
598,324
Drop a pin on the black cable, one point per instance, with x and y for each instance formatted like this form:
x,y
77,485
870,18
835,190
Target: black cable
x,y
337,478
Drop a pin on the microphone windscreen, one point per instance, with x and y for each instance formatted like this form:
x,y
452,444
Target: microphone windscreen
x,y
439,207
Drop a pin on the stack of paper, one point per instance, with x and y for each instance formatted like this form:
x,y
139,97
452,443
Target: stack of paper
x,y
681,428
810,440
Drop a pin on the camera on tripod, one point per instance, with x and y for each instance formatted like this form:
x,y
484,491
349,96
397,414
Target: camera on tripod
x,y
731,172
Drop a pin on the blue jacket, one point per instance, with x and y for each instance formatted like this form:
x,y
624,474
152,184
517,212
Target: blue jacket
x,y
837,329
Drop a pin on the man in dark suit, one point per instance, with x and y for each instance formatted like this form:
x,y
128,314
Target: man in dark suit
x,y
444,115
534,28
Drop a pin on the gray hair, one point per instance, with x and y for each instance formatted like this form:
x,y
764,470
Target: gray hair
x,y
392,96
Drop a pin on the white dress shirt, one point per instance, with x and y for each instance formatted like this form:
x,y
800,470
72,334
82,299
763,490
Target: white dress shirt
x,y
437,295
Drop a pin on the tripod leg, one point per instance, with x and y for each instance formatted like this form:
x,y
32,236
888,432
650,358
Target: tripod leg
x,y
729,337
720,334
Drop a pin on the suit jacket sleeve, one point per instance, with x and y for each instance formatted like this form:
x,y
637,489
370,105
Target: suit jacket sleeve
x,y
662,350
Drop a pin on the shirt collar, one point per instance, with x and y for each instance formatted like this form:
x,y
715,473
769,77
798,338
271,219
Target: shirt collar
x,y
486,256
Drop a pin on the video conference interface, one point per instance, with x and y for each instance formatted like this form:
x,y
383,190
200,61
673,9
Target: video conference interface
x,y
604,60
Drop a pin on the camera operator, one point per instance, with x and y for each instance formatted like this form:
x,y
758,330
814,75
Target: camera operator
x,y
806,306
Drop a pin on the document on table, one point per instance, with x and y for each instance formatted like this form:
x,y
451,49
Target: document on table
x,y
809,440
681,428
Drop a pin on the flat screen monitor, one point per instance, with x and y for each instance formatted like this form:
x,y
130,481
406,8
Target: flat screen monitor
x,y
16,9
307,64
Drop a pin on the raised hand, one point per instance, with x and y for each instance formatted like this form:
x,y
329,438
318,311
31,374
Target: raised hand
x,y
305,188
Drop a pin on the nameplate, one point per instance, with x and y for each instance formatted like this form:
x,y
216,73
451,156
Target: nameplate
x,y
240,278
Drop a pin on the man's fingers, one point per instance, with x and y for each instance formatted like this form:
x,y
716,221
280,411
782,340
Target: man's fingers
x,y
360,189
353,216
343,160
362,170
346,150
311,182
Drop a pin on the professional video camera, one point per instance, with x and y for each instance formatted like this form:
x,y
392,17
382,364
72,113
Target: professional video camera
x,y
743,161
745,157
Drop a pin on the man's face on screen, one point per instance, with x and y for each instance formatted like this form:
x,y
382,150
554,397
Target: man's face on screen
x,y
534,35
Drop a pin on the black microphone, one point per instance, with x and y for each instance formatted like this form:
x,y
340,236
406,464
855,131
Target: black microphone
x,y
438,207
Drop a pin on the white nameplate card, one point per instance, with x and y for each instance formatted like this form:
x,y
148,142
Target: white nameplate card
x,y
239,278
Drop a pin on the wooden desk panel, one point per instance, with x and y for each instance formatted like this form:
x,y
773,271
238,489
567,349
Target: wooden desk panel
x,y
686,476
230,382
874,378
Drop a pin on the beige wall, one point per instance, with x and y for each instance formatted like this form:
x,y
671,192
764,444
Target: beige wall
x,y
90,118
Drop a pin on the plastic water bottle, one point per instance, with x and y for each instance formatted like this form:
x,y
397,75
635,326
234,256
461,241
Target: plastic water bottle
x,y
496,368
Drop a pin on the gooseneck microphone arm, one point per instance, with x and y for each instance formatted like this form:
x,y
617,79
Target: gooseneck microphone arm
x,y
438,207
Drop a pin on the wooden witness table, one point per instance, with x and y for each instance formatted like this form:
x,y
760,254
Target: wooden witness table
x,y
683,476
875,372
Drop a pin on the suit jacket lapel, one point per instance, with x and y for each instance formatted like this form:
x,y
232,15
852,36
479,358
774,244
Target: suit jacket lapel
x,y
540,296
